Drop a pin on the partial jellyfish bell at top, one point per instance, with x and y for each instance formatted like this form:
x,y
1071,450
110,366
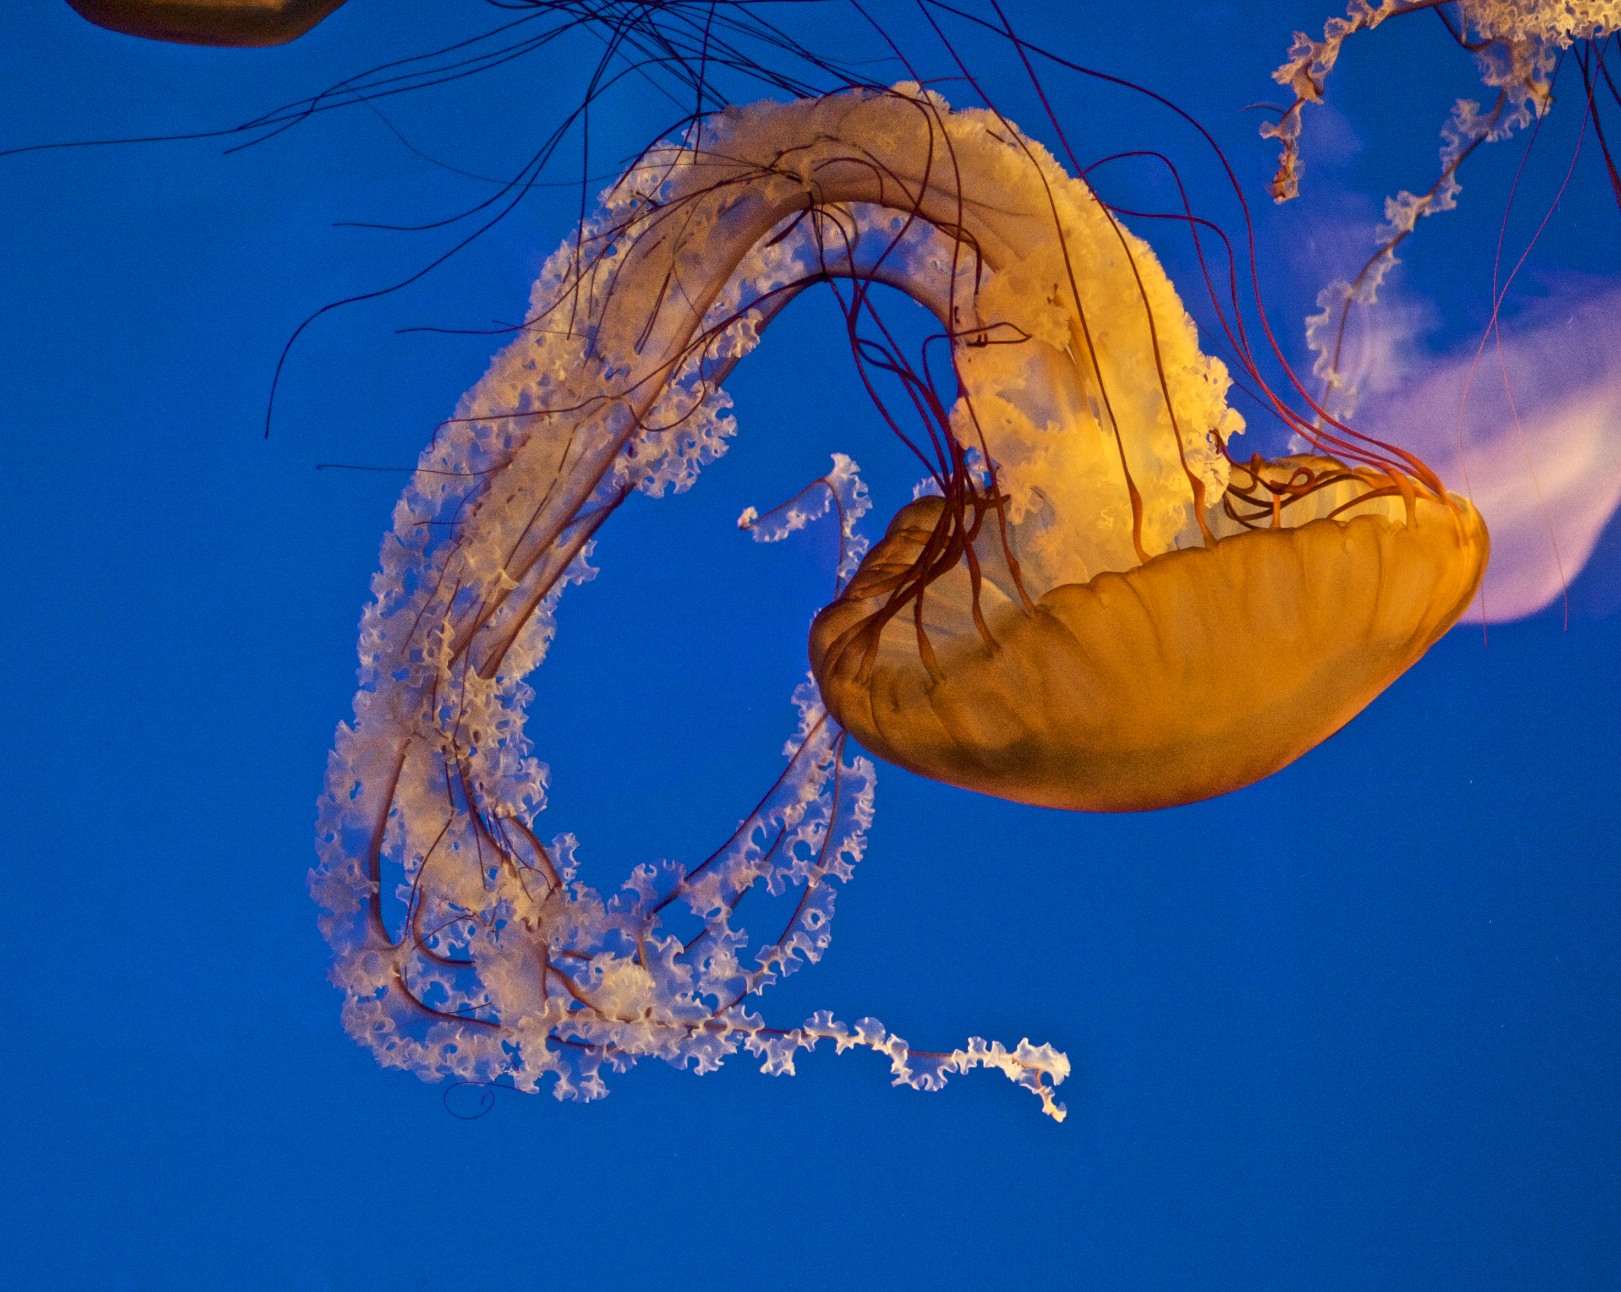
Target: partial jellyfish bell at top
x,y
209,22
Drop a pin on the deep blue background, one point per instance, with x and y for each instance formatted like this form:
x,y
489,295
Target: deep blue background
x,y
1355,1027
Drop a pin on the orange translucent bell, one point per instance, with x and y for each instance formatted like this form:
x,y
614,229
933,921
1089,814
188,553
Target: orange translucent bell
x,y
1198,671
209,22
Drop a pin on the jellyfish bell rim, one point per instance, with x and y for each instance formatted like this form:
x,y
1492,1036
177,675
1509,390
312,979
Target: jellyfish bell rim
x,y
1198,672
235,24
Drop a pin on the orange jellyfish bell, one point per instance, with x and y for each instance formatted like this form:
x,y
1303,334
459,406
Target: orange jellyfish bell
x,y
1199,671
208,22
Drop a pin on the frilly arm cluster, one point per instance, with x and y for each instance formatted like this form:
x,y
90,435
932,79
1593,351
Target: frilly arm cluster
x,y
1516,44
465,945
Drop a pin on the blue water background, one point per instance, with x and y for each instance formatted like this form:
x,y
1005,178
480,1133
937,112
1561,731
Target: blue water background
x,y
1352,1028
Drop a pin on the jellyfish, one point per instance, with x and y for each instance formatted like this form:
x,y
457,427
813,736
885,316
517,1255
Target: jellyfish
x,y
208,22
1091,603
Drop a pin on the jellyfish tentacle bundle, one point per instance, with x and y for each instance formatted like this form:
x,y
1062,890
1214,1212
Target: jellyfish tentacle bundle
x,y
1083,464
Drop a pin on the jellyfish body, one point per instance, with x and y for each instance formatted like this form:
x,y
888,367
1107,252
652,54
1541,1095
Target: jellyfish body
x,y
208,22
1087,512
